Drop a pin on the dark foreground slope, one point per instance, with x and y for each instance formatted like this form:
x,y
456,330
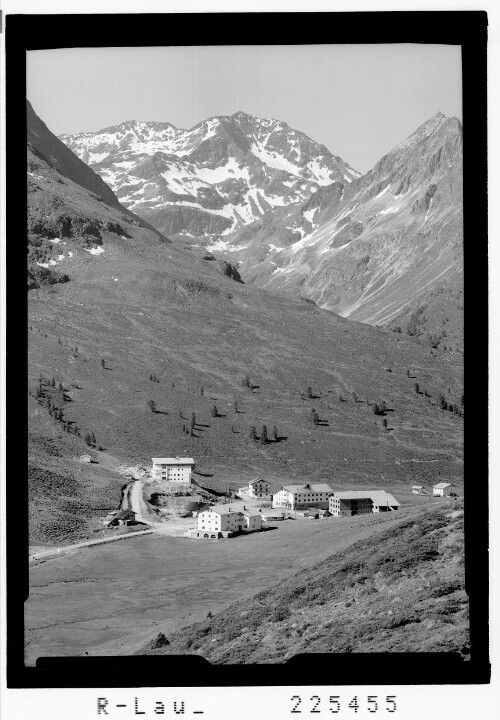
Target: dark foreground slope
x,y
403,594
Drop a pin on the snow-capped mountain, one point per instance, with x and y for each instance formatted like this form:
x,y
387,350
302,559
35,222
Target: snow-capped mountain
x,y
214,179
376,249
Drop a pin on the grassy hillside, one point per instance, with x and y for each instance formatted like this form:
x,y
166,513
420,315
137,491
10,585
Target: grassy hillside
x,y
403,594
142,310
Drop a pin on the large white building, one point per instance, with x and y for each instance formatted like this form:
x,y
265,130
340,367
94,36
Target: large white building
x,y
173,470
357,502
300,497
220,520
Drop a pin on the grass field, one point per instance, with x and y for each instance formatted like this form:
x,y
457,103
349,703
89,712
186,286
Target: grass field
x,y
112,599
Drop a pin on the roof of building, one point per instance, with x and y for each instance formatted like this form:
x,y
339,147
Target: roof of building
x,y
443,485
173,461
231,508
315,487
378,497
353,494
123,514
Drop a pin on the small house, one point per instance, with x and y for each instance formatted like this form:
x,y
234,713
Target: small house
x,y
259,488
419,490
123,517
444,489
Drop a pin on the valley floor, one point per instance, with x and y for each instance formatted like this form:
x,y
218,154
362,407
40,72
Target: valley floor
x,y
112,599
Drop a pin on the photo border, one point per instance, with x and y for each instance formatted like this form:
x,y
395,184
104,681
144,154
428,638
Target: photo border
x,y
37,32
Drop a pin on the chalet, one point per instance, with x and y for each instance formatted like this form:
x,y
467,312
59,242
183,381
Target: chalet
x,y
359,502
444,489
419,490
123,517
259,488
301,497
222,521
174,470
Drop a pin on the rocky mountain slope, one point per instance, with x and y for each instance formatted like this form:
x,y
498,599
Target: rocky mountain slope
x,y
212,179
70,209
382,249
404,593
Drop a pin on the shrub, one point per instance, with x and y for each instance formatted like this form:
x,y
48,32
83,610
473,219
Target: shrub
x,y
160,641
253,433
214,412
274,434
282,612
309,392
417,388
151,405
263,435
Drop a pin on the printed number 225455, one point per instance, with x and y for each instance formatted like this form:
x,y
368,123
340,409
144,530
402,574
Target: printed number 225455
x,y
335,704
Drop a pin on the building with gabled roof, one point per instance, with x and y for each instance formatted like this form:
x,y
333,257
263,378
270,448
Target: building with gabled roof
x,y
300,497
257,488
223,520
420,490
444,489
344,503
123,517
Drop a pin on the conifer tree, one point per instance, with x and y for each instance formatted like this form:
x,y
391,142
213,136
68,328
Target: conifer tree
x,y
263,436
313,416
151,405
275,433
417,388
253,433
214,412
309,392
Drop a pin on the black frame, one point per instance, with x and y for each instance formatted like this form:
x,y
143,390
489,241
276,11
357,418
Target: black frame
x,y
468,29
